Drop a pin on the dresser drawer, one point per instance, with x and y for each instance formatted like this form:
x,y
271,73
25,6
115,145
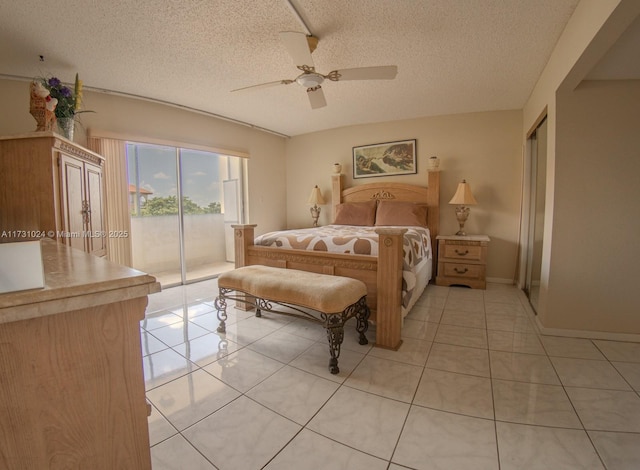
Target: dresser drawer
x,y
461,270
462,252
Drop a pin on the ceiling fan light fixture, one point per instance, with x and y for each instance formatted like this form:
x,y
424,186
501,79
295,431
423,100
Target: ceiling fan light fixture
x,y
310,80
300,46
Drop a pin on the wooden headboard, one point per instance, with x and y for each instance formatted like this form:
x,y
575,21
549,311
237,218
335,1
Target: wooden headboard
x,y
402,192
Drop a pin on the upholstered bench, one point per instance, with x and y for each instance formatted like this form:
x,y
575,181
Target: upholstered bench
x,y
321,298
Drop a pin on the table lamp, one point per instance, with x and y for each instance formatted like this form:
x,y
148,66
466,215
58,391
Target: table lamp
x,y
463,198
315,198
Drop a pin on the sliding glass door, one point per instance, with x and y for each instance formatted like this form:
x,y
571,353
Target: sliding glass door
x,y
153,196
202,179
178,201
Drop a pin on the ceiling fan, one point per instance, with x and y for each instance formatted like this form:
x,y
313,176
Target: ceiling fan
x,y
300,46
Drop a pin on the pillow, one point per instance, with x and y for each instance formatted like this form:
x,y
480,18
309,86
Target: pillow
x,y
401,213
356,213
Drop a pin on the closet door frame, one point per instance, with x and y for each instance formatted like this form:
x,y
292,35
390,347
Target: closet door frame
x,y
530,191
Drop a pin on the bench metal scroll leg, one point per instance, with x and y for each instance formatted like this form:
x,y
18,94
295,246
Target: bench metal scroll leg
x,y
221,306
262,304
362,320
335,334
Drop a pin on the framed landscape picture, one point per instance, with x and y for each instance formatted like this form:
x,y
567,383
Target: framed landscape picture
x,y
390,158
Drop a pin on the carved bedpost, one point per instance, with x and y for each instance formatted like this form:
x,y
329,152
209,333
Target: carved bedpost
x,y
243,238
433,200
389,310
336,193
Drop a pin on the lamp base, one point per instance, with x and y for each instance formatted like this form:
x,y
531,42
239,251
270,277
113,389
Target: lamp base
x,y
315,214
462,213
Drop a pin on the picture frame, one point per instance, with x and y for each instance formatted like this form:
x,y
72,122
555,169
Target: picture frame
x,y
385,159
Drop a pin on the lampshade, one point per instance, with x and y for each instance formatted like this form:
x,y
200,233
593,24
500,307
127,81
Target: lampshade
x,y
463,195
316,196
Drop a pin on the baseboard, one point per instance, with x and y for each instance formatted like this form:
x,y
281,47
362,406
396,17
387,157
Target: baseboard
x,y
587,334
500,280
626,337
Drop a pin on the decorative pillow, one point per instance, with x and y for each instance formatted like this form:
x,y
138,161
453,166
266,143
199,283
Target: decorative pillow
x,y
401,213
356,213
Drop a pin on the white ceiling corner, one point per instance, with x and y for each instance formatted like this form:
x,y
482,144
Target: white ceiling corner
x,y
622,61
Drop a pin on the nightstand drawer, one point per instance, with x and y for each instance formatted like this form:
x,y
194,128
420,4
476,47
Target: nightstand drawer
x,y
462,252
465,271
462,260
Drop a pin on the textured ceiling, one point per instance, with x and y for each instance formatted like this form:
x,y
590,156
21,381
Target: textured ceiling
x,y
453,56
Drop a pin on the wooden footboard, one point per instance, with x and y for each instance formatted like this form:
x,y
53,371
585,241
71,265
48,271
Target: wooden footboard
x,y
382,275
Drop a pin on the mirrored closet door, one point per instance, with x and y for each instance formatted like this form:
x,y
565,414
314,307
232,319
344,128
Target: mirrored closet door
x,y
538,151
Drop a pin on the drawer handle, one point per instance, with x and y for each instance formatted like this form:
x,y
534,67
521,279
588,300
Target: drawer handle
x,y
461,271
462,253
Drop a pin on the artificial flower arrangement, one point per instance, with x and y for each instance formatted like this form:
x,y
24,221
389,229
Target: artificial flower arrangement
x,y
69,101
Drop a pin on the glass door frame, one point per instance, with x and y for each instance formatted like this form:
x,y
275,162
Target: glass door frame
x,y
183,261
531,197
532,144
179,174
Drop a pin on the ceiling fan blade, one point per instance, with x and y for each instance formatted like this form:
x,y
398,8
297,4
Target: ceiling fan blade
x,y
264,85
316,98
298,48
384,72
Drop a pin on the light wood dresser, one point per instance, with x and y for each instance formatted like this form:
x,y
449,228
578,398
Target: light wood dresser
x,y
462,260
52,187
72,391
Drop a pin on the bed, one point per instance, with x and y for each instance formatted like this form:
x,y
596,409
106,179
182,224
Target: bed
x,y
379,259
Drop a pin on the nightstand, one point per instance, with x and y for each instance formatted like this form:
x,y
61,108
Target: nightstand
x,y
462,260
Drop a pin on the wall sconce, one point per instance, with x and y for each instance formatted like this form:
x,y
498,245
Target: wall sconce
x,y
463,198
315,198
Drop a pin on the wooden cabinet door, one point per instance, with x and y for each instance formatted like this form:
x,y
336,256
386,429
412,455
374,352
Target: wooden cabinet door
x,y
72,191
82,193
97,242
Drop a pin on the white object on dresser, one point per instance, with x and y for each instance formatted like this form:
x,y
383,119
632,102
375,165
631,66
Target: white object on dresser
x,y
21,266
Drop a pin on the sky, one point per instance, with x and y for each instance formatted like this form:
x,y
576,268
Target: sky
x,y
157,172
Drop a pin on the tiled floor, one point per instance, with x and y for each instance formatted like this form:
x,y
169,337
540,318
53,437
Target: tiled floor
x,y
474,386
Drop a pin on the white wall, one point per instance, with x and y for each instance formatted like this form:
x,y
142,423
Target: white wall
x,y
577,291
595,252
266,165
483,148
583,26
